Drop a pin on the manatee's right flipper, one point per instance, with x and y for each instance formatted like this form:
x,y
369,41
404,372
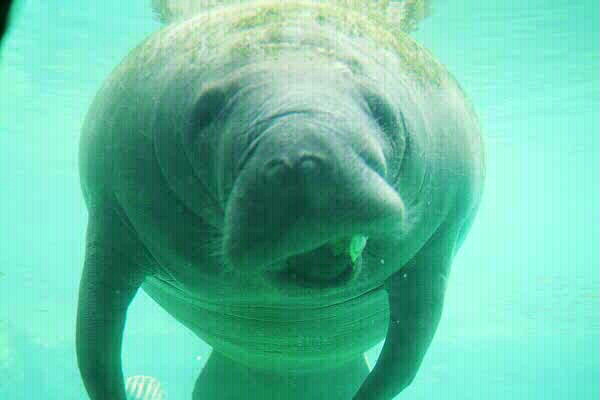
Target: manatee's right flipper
x,y
109,282
415,296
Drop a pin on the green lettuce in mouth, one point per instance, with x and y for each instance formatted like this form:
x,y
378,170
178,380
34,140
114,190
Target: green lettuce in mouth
x,y
353,246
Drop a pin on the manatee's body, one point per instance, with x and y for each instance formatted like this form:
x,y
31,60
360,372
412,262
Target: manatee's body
x,y
4,17
221,161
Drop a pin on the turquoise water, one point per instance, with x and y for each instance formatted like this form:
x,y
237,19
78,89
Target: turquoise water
x,y
521,312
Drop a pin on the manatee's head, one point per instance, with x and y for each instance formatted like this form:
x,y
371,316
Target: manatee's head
x,y
307,163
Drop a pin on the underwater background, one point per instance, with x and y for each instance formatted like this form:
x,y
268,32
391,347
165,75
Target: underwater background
x,y
521,316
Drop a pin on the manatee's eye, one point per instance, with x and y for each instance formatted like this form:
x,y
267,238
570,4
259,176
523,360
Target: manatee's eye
x,y
382,113
205,110
392,128
209,107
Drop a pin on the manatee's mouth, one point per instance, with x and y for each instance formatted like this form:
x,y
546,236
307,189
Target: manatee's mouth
x,y
331,264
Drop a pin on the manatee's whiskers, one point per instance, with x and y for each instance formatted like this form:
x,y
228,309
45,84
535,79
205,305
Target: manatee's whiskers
x,y
214,244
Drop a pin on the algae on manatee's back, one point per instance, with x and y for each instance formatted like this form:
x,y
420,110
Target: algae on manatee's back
x,y
399,15
260,29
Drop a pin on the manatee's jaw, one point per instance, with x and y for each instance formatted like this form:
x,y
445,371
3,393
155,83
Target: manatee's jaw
x,y
331,264
299,252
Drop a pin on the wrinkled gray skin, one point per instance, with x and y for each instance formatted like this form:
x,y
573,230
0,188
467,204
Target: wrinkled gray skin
x,y
216,186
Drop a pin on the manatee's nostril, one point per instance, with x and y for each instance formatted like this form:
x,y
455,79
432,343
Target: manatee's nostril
x,y
276,171
309,164
280,170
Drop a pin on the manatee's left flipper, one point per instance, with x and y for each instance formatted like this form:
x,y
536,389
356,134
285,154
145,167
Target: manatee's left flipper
x,y
415,296
109,282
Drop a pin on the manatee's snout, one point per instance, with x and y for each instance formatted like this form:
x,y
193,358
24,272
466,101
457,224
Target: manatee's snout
x,y
296,178
299,195
293,169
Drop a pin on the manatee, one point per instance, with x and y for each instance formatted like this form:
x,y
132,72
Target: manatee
x,y
290,181
5,7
